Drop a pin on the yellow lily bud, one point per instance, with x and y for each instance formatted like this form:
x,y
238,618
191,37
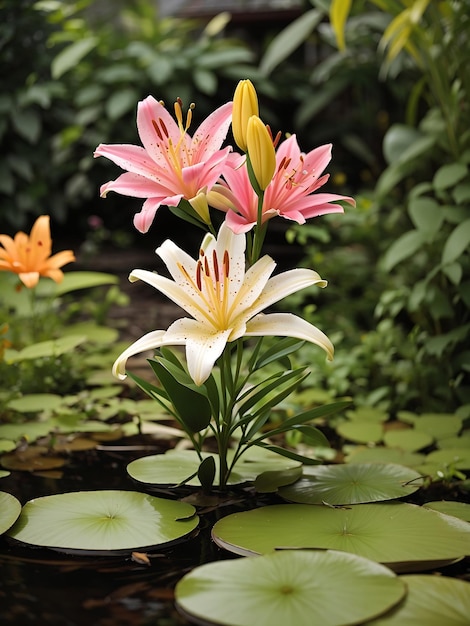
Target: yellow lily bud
x,y
245,104
261,151
199,204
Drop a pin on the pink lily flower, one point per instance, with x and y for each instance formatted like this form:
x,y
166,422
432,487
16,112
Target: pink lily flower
x,y
171,165
290,194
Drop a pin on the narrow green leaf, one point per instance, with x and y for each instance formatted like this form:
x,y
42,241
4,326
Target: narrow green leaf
x,y
193,408
281,348
401,249
339,11
71,56
289,454
457,243
313,436
289,39
74,281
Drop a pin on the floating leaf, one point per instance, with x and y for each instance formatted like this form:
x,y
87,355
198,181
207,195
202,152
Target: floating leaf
x,y
103,521
407,439
380,454
439,425
36,402
404,536
352,484
457,509
431,600
362,432
366,414
455,457
10,508
175,466
296,587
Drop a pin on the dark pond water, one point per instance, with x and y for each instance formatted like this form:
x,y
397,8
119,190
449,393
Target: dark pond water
x,y
45,587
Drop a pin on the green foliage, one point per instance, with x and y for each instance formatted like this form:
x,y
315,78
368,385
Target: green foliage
x,y
236,411
73,74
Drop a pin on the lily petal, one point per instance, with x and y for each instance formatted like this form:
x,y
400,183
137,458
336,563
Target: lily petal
x,y
203,346
288,325
151,341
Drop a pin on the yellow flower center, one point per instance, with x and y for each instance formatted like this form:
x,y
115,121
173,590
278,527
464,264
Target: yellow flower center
x,y
179,155
212,284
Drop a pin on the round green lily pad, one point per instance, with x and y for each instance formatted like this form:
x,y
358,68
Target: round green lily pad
x,y
175,466
449,507
10,508
294,587
103,521
352,484
404,536
455,457
408,439
361,432
379,454
431,601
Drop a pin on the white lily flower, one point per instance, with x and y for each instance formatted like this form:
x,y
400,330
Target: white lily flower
x,y
224,300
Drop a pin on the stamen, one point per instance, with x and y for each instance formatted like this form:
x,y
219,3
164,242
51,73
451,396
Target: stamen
x,y
216,265
157,130
206,267
282,164
226,263
277,138
164,128
198,275
179,112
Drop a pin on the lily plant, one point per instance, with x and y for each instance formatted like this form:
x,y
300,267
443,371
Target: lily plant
x,y
219,388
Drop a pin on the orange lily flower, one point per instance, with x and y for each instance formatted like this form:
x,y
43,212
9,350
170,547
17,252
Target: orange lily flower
x,y
30,256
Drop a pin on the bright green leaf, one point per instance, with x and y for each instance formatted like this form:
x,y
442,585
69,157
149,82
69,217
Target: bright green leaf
x,y
457,243
449,175
289,39
401,249
71,56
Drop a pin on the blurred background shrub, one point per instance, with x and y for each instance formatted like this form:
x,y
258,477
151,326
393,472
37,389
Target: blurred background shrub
x,y
386,81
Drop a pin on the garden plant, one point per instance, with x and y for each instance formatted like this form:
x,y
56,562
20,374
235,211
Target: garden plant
x,y
303,504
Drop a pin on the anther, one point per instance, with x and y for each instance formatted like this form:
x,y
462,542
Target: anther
x,y
226,263
198,275
216,265
157,130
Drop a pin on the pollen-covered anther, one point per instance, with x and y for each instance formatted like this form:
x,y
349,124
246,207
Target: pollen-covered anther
x,y
216,265
226,263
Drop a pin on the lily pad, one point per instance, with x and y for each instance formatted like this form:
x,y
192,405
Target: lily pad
x,y
455,457
431,600
380,454
361,431
293,587
457,509
439,425
366,414
175,466
352,484
408,439
103,521
404,536
10,509
36,402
